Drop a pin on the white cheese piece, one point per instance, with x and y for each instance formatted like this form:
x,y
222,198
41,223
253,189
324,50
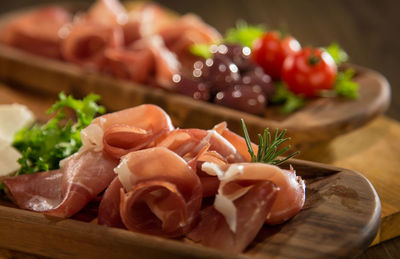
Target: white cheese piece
x,y
8,159
13,117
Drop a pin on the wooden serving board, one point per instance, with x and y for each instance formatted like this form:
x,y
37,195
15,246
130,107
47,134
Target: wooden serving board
x,y
321,119
340,219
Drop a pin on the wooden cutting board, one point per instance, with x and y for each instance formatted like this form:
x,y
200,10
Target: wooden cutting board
x,y
340,219
321,119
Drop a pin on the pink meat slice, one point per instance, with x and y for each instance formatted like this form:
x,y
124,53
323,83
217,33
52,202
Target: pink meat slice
x,y
107,12
162,194
86,43
252,209
38,31
166,62
109,212
64,192
237,141
135,63
145,20
127,130
289,200
190,144
186,31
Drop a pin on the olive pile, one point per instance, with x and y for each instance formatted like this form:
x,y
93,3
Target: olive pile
x,y
229,78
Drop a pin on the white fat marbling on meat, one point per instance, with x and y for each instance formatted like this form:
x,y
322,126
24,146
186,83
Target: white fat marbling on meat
x,y
230,173
226,207
92,137
124,174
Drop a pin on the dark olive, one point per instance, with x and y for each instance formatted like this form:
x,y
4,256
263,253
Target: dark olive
x,y
246,98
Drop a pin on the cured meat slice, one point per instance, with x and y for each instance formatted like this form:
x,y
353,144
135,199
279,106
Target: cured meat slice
x,y
162,194
38,31
166,63
128,130
183,141
146,20
186,31
135,63
252,209
64,192
237,141
289,200
109,212
107,12
86,43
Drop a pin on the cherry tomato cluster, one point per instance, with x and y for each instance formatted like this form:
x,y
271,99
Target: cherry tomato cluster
x,y
306,71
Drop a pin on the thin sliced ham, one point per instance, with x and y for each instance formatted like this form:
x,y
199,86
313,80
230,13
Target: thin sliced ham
x,y
86,43
186,31
145,20
38,31
135,63
109,213
166,62
237,141
252,209
66,191
289,200
107,12
128,130
162,194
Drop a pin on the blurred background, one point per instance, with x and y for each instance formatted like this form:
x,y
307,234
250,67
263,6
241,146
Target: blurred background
x,y
366,29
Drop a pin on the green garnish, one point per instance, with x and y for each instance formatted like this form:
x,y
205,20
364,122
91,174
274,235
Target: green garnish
x,y
244,34
290,102
201,50
268,148
338,54
43,146
345,86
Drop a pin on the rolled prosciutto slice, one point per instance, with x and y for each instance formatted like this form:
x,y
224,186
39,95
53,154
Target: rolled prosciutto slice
x,y
186,31
289,201
189,142
38,31
252,209
109,214
86,43
107,12
128,130
66,191
135,63
161,195
237,141
145,20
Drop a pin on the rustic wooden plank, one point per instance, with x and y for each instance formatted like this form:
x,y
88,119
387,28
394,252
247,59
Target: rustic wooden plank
x,y
373,150
341,215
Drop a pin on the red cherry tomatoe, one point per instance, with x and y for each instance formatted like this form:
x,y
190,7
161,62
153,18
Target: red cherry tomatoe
x,y
309,71
270,51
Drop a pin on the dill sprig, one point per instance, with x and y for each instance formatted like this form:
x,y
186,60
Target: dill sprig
x,y
268,147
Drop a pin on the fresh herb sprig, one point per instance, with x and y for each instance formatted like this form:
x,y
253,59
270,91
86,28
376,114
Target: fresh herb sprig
x,y
244,33
268,147
344,84
290,101
43,146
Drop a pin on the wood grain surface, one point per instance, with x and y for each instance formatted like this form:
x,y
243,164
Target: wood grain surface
x,y
373,150
341,214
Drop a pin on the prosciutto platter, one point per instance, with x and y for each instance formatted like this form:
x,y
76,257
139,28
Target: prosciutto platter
x,y
158,180
137,178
